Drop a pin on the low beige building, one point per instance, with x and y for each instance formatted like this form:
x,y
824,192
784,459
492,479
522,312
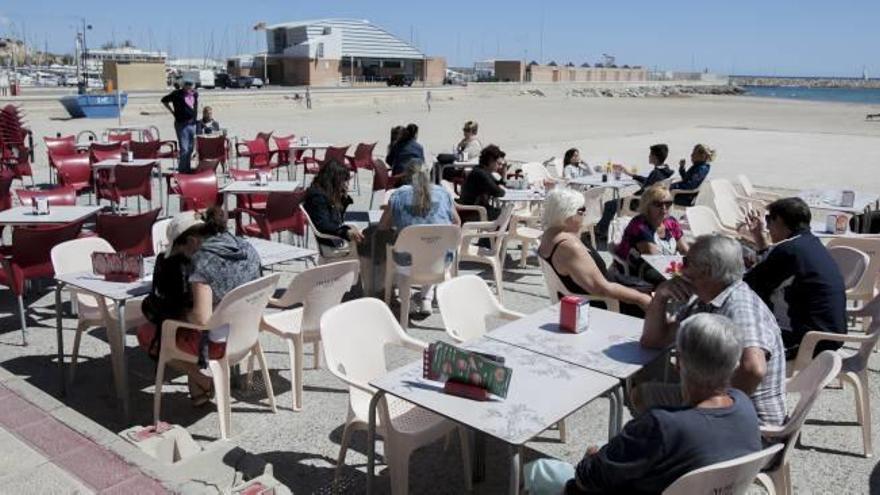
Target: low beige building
x,y
518,71
135,76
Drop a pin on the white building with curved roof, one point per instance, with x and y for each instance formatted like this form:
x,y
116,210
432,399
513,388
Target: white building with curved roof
x,y
329,52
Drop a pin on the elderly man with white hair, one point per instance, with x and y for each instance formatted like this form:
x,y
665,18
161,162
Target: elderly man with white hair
x,y
713,424
711,282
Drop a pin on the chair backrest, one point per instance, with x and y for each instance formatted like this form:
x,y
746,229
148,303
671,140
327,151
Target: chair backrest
x,y
380,177
859,361
258,153
745,183
119,137
211,147
363,155
159,234
134,179
554,286
58,196
702,221
868,285
354,336
264,136
733,477
319,289
429,247
501,225
282,210
242,309
536,171
31,251
99,152
74,170
724,201
594,204
197,191
76,255
335,153
808,383
128,233
852,263
145,150
60,146
465,302
282,144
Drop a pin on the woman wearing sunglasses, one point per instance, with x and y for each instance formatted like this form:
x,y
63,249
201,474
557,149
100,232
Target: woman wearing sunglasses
x,y
653,231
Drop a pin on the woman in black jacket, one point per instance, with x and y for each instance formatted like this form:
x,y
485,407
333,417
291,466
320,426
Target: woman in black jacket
x,y
326,201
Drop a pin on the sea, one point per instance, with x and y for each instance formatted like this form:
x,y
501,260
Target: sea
x,y
840,95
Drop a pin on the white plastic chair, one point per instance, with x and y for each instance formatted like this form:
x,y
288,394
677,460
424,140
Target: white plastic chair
x,y
556,287
854,369
329,254
429,247
703,221
594,202
852,263
808,383
536,172
493,256
93,311
241,309
465,302
160,235
526,236
867,288
355,335
749,190
316,290
733,477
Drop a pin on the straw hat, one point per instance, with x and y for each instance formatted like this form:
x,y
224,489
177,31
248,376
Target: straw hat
x,y
180,224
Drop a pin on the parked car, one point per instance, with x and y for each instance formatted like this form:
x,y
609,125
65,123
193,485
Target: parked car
x,y
245,82
222,80
400,80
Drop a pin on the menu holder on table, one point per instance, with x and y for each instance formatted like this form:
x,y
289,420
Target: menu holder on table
x,y
466,373
118,267
574,314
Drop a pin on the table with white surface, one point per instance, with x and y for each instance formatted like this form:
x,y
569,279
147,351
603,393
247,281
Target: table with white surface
x,y
270,253
542,392
609,346
137,162
595,180
660,262
24,215
829,200
138,130
524,195
253,187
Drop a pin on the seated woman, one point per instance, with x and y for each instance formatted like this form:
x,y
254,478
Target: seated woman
x,y
419,202
202,264
405,149
578,266
481,185
653,231
717,423
572,166
470,147
693,177
326,201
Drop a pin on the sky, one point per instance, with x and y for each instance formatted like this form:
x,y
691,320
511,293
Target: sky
x,y
777,37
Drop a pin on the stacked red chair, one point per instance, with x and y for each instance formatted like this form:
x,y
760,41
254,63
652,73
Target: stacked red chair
x,y
16,143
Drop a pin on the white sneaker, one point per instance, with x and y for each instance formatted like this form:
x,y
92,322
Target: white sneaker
x,y
424,306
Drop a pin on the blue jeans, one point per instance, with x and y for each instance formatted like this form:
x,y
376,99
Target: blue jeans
x,y
186,137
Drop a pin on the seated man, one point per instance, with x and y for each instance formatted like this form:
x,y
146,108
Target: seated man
x,y
797,278
711,282
715,423
207,124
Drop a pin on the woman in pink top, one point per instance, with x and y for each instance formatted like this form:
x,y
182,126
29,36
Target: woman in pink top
x,y
653,231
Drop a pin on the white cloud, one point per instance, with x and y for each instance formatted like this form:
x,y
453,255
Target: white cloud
x,y
5,21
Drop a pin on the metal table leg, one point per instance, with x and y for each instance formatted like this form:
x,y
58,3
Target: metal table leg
x,y
371,439
615,420
123,375
478,470
59,335
515,460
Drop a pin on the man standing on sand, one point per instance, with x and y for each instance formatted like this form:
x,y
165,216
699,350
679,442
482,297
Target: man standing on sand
x,y
428,100
184,105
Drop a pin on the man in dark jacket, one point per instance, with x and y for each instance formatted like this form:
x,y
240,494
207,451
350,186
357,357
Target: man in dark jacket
x,y
796,277
184,105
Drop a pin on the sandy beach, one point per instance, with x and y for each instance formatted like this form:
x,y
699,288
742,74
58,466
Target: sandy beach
x,y
779,143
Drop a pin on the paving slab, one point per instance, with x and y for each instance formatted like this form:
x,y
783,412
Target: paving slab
x,y
16,456
46,478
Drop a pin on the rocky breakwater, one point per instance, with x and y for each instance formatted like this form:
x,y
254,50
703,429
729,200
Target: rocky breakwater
x,y
648,91
806,82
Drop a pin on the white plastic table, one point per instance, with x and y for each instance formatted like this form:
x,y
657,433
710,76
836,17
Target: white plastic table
x,y
134,129
252,187
660,262
829,200
595,180
524,195
24,215
543,391
609,346
271,253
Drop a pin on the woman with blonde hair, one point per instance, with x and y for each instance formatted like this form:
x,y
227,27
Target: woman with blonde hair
x,y
580,269
418,202
653,231
693,177
469,146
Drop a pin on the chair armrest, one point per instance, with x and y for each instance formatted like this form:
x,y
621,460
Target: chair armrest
x,y
476,226
411,343
812,339
467,238
170,328
507,314
474,208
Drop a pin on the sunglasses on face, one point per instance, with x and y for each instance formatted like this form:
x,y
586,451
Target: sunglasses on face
x,y
662,204
582,210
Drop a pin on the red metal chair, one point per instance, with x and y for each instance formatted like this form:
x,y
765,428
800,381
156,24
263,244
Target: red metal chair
x,y
282,145
282,214
16,157
255,202
312,165
125,181
145,150
99,152
169,145
213,148
132,234
75,171
59,147
59,196
197,191
362,159
259,155
243,152
382,182
28,258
